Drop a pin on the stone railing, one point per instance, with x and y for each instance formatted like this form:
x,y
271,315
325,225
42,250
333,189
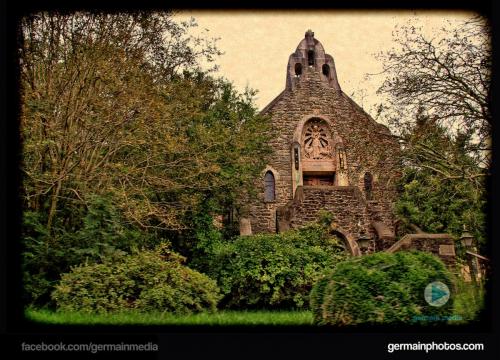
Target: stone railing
x,y
441,245
285,213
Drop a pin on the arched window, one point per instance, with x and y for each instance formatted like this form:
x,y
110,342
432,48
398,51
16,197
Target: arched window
x,y
310,57
298,69
269,193
326,70
368,185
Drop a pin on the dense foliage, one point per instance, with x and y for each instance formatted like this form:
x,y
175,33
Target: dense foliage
x,y
103,234
273,270
379,288
470,302
438,104
115,109
435,203
438,206
149,280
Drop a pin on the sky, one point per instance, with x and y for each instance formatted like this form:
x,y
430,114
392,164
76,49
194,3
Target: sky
x,y
257,44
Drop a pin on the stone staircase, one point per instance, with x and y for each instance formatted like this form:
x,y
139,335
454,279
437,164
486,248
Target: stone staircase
x,y
353,216
346,204
382,222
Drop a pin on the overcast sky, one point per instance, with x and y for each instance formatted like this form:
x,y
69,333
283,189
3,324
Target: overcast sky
x,y
257,44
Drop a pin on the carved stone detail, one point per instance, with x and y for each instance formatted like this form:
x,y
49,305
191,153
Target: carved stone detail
x,y
317,141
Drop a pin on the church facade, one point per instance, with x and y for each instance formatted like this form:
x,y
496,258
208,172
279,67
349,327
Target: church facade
x,y
328,155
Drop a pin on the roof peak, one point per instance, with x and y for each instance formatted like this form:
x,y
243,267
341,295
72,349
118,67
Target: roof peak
x,y
309,33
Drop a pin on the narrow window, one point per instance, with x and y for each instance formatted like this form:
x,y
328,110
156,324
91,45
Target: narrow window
x,y
298,69
310,57
326,70
368,185
269,194
296,157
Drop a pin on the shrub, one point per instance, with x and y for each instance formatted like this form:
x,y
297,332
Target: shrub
x,y
469,302
149,280
101,233
379,288
273,270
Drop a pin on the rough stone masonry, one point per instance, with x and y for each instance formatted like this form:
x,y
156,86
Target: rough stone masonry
x,y
328,154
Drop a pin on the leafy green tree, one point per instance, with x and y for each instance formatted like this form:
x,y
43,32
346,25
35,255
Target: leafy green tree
x,y
206,147
90,80
437,203
116,108
439,106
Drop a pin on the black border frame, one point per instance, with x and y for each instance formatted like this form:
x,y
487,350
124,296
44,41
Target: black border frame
x,y
221,341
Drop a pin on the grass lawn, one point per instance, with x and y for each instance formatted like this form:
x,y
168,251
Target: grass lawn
x,y
131,318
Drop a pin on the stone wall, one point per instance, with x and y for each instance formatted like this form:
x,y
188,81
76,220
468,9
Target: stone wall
x,y
441,245
344,202
369,147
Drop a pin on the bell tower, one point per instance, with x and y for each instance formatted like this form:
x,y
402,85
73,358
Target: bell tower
x,y
310,57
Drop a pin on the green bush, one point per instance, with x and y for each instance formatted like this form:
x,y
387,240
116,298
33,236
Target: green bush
x,y
316,297
273,270
379,288
101,233
469,301
149,280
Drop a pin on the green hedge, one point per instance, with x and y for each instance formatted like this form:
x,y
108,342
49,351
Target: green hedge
x,y
379,288
150,281
270,271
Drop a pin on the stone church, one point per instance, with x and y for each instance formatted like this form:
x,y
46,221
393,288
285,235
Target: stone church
x,y
328,154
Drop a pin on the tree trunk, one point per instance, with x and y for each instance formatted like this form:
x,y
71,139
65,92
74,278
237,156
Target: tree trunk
x,y
53,206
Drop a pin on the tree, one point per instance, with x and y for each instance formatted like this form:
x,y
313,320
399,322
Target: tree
x,y
207,144
117,104
437,203
116,108
438,93
87,80
448,81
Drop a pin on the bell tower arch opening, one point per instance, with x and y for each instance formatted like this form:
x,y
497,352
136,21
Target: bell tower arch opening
x,y
298,69
368,185
326,70
310,57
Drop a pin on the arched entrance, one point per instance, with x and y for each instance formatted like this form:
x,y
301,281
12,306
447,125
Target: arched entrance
x,y
350,244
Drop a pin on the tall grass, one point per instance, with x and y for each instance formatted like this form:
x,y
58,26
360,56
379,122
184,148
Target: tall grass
x,y
212,319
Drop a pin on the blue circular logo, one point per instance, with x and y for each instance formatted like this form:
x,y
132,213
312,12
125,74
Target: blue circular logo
x,y
437,293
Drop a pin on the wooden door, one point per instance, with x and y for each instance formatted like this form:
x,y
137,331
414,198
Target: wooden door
x,y
319,180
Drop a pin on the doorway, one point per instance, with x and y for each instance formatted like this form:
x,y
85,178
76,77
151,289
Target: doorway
x,y
319,180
